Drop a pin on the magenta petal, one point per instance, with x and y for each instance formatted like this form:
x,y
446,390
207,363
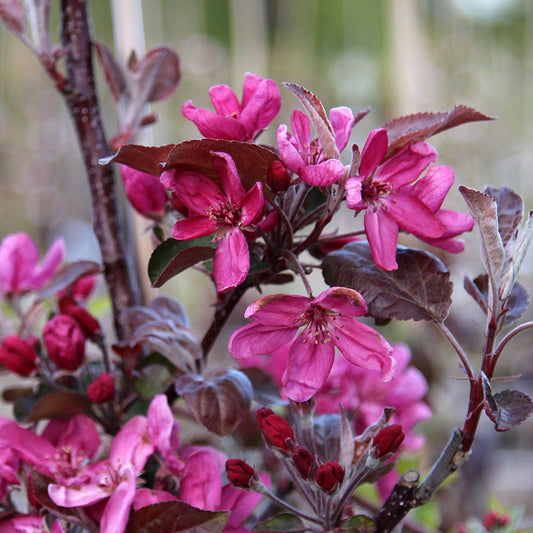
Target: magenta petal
x,y
19,258
288,151
77,495
192,228
406,166
145,497
256,339
324,174
279,310
161,424
240,502
382,235
261,108
231,182
131,445
301,129
253,205
342,300
213,126
354,200
51,261
308,368
117,509
364,347
373,152
342,121
224,100
232,260
433,187
414,216
249,87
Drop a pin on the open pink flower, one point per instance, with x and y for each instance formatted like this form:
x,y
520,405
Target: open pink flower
x,y
114,479
392,200
311,329
234,120
225,211
305,157
20,270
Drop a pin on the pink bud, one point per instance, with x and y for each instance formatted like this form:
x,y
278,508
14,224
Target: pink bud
x,y
65,342
276,430
278,178
304,461
87,322
101,389
240,474
494,520
18,355
329,476
388,440
144,191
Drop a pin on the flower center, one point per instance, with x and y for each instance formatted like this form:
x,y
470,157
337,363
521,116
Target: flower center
x,y
224,215
372,192
312,154
318,323
69,461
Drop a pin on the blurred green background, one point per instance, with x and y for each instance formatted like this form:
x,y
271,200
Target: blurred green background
x,y
395,56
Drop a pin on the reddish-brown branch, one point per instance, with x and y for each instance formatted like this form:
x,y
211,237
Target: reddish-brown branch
x,y
83,106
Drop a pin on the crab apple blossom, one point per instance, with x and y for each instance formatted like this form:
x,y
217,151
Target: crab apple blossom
x,y
392,198
310,329
20,269
305,157
225,211
234,120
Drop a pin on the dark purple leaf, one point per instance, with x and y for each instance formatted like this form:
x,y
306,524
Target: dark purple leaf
x,y
252,160
361,114
473,288
174,517
158,74
113,72
327,432
149,159
419,290
418,127
346,443
67,275
172,257
171,309
219,401
59,404
510,211
318,117
507,409
266,392
13,15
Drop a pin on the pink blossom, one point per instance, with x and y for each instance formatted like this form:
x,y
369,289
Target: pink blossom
x,y
20,270
306,157
392,200
144,191
65,342
234,120
114,479
310,329
226,211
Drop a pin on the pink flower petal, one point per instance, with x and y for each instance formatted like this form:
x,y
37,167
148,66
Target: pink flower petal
x,y
382,235
278,310
253,205
131,446
373,152
354,200
117,509
77,495
342,300
342,121
213,126
434,186
288,150
301,129
249,87
224,101
145,497
232,260
192,228
51,261
162,425
231,182
324,174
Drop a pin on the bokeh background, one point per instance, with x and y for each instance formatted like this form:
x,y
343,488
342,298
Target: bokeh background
x,y
395,56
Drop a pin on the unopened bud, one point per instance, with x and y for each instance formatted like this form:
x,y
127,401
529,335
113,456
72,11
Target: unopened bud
x,y
276,429
18,355
304,461
494,520
240,474
87,322
278,178
102,389
65,342
388,440
329,476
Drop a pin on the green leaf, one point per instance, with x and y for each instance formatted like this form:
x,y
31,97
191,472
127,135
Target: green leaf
x,y
280,522
359,524
173,257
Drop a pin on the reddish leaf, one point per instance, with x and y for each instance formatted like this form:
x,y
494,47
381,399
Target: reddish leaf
x,y
418,127
158,74
67,275
252,160
174,517
149,159
113,72
472,288
419,290
172,257
219,401
59,405
13,15
171,309
507,409
510,211
318,117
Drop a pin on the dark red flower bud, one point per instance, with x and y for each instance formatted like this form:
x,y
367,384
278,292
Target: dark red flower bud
x,y
278,178
276,431
18,355
329,476
101,389
88,323
261,414
304,461
65,342
495,519
388,440
240,474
